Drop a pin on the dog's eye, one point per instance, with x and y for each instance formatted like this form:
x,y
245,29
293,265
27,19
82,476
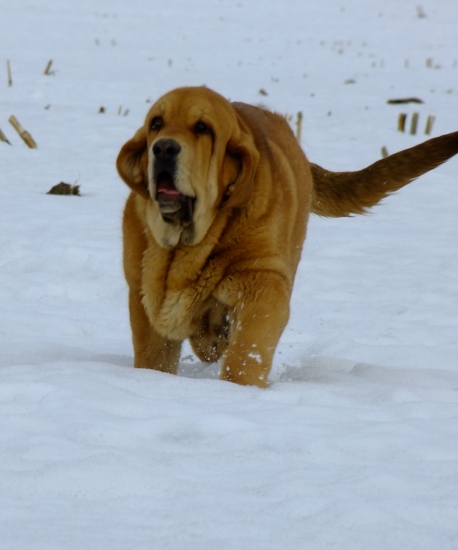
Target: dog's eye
x,y
156,123
201,128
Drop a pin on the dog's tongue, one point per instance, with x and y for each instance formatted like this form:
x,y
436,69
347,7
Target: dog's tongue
x,y
163,190
165,186
167,195
175,207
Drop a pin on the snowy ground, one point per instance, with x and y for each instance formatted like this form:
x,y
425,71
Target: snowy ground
x,y
354,445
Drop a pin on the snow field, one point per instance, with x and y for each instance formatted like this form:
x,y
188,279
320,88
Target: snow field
x,y
354,444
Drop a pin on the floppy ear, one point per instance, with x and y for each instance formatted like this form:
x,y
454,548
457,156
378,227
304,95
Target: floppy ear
x,y
132,163
241,146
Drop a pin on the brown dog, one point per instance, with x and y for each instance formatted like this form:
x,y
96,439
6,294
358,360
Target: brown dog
x,y
214,227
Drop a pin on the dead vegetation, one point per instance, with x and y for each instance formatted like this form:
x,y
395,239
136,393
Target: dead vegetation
x,y
63,188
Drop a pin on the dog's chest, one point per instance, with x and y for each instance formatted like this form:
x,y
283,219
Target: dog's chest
x,y
175,288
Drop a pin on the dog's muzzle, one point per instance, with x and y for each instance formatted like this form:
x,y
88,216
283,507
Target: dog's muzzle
x,y
175,207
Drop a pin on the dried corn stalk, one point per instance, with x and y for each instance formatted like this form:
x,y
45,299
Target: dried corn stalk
x,y
27,138
3,137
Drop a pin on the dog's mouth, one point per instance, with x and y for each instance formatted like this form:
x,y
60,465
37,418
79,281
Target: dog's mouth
x,y
175,207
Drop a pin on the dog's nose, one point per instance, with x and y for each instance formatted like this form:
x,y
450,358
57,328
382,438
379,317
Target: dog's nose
x,y
166,149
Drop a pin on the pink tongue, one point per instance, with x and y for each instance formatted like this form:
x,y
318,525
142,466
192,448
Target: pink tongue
x,y
168,191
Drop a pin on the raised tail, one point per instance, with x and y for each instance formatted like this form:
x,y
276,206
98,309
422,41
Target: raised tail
x,y
338,194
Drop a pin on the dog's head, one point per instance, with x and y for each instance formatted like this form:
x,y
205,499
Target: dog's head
x,y
193,157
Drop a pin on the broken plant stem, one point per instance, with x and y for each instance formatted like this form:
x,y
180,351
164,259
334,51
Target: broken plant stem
x,y
299,126
402,122
48,68
414,124
429,124
3,137
8,70
26,137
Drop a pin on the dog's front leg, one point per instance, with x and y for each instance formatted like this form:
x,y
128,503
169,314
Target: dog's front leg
x,y
151,350
259,315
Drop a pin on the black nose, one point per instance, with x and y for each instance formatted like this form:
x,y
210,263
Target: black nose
x,y
166,149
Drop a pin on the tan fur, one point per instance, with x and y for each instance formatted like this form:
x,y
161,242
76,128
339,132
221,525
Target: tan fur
x,y
225,281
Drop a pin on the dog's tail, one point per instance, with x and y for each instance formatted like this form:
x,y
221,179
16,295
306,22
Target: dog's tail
x,y
338,194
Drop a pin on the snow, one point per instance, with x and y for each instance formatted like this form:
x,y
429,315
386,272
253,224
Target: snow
x,y
354,444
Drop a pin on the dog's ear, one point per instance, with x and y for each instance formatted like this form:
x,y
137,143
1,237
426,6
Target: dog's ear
x,y
132,163
242,149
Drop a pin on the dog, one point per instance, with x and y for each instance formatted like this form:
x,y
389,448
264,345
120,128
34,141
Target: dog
x,y
214,226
